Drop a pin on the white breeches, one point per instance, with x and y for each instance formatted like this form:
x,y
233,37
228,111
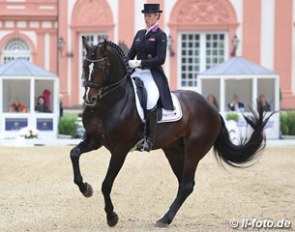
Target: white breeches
x,y
153,93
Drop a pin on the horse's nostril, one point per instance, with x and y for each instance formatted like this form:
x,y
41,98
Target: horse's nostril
x,y
93,99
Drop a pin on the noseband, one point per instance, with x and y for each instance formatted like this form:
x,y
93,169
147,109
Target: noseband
x,y
102,88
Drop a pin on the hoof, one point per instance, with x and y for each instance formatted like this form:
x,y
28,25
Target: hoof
x,y
112,222
89,191
161,224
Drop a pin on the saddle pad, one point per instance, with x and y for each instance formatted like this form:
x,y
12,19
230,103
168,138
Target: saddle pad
x,y
167,115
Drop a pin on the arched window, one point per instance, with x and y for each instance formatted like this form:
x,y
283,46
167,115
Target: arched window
x,y
16,49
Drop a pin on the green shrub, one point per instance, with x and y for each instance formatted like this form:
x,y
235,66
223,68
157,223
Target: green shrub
x,y
67,125
232,116
287,120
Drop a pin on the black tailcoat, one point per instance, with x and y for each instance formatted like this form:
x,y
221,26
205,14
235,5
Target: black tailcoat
x,y
151,50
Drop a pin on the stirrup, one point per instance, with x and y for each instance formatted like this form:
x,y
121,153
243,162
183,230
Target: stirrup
x,y
139,146
147,145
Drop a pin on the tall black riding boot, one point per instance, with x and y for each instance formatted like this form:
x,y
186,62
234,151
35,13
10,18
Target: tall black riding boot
x,y
151,125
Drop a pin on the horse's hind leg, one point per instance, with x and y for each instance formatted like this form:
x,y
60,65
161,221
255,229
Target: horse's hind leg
x,y
85,146
175,156
186,182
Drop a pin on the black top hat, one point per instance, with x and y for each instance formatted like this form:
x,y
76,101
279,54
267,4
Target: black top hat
x,y
151,8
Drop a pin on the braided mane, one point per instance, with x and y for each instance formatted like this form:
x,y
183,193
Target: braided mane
x,y
121,55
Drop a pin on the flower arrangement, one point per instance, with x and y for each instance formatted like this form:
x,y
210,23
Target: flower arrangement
x,y
232,116
28,133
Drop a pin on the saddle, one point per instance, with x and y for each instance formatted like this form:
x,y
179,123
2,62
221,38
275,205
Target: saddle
x,y
141,102
163,115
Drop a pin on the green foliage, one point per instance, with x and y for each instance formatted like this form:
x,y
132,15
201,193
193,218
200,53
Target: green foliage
x,y
287,120
232,116
67,125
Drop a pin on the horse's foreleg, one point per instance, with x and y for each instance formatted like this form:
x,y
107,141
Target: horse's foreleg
x,y
85,146
115,166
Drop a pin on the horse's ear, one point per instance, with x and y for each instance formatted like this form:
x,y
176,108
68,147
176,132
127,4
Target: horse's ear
x,y
103,46
85,44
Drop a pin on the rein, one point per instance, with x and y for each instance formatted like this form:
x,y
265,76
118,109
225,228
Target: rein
x,y
104,90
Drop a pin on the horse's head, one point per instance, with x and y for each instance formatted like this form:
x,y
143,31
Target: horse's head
x,y
96,80
103,76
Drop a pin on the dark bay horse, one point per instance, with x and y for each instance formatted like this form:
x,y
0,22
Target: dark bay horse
x,y
111,120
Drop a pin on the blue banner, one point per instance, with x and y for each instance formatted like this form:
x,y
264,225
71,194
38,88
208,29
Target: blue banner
x,y
15,124
45,124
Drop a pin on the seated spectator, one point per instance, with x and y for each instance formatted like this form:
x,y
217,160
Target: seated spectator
x,y
263,103
41,105
17,106
212,101
236,105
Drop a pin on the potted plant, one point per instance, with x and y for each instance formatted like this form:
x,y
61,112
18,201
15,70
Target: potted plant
x,y
231,122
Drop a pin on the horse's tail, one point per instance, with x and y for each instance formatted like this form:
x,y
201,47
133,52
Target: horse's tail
x,y
240,155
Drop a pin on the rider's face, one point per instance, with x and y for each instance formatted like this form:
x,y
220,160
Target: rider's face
x,y
151,19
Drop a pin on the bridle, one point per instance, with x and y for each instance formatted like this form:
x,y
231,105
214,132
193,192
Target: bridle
x,y
96,61
103,88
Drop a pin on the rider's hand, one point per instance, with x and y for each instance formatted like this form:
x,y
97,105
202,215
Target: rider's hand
x,y
134,63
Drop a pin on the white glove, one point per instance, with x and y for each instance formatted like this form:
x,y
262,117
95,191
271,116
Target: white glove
x,y
134,63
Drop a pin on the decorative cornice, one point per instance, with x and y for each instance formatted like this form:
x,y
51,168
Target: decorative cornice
x,y
16,17
91,13
204,12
